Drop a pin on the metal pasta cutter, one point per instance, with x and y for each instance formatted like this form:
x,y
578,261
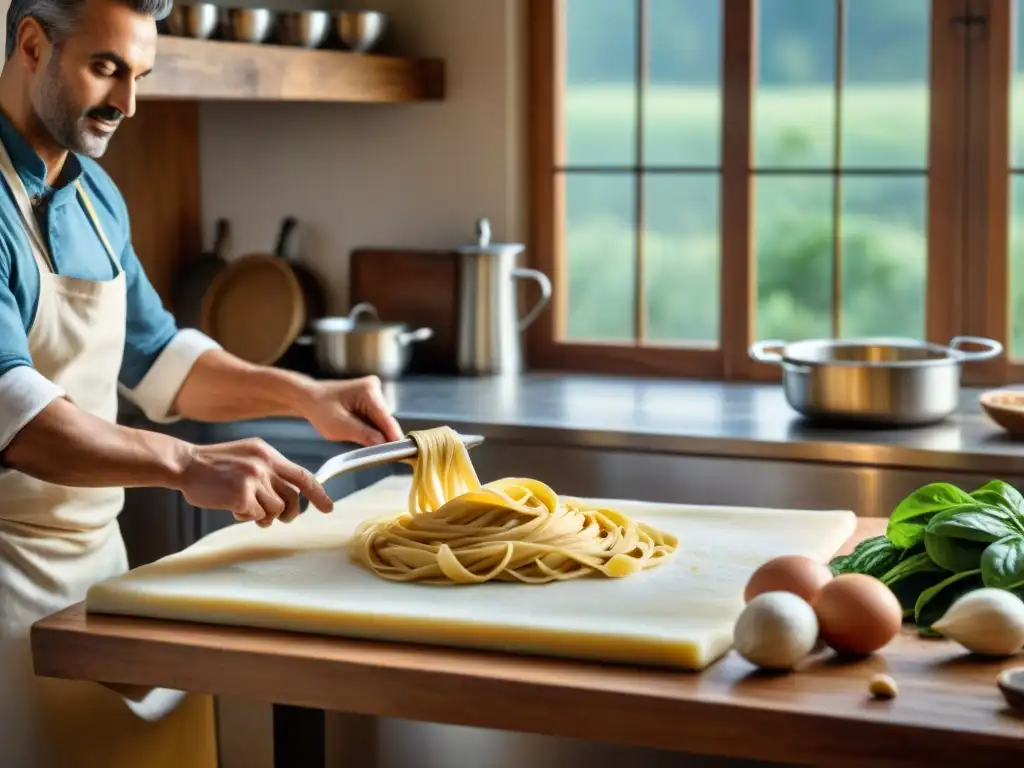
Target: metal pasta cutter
x,y
375,455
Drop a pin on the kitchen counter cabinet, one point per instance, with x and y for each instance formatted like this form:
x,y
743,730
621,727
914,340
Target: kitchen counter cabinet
x,y
948,712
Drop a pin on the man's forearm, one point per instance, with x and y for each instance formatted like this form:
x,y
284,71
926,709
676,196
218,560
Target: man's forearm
x,y
67,446
222,387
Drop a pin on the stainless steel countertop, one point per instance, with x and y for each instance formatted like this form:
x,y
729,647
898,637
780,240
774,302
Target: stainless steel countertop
x,y
689,417
682,417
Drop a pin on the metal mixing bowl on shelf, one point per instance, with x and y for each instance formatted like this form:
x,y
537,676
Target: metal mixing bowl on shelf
x,y
198,20
248,25
306,29
360,31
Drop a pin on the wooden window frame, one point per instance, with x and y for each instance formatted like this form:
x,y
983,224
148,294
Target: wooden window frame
x,y
967,197
985,263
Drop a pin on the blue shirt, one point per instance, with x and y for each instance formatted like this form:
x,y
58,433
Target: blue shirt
x,y
75,251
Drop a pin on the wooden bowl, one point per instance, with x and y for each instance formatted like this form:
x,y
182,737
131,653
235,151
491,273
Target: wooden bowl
x,y
1006,408
1011,683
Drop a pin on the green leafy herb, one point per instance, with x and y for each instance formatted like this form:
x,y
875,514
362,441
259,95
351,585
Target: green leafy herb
x,y
941,543
873,556
912,576
957,537
917,549
933,603
955,555
971,522
1002,564
907,522
997,493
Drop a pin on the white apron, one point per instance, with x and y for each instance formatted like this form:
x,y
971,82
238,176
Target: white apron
x,y
56,541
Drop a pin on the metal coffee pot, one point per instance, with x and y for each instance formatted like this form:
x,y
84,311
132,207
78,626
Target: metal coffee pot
x,y
489,326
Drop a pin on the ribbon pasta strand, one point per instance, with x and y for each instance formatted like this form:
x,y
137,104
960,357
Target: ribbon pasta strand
x,y
457,531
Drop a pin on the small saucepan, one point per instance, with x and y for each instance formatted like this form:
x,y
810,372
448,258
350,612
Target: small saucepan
x,y
352,346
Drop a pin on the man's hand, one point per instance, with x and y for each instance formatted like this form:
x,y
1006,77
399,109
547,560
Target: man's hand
x,y
221,387
351,411
250,479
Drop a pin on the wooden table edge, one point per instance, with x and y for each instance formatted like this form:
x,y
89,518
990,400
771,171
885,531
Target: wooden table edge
x,y
667,709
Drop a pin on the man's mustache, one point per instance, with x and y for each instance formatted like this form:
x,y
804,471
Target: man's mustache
x,y
106,114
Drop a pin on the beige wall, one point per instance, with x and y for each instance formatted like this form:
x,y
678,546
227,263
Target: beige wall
x,y
382,174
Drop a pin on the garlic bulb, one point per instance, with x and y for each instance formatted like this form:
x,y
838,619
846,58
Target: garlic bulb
x,y
987,621
776,630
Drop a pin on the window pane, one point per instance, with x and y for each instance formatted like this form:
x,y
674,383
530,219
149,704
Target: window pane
x,y
885,90
681,257
793,237
1017,91
600,92
1016,296
884,256
682,98
794,102
600,240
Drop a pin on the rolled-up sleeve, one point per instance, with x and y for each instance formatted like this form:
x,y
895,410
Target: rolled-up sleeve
x,y
158,356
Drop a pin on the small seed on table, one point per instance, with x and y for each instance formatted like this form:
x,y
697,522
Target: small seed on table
x,y
883,687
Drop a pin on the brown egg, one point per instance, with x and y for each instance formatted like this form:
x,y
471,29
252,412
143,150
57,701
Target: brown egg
x,y
857,614
789,573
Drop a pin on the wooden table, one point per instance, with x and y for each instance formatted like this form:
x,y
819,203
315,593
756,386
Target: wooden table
x,y
949,710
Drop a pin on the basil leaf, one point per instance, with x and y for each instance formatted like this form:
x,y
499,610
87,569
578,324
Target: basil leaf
x,y
1002,564
971,522
907,521
1000,494
933,603
911,577
955,554
957,537
873,556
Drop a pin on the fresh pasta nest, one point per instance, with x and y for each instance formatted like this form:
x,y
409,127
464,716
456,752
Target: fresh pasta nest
x,y
457,531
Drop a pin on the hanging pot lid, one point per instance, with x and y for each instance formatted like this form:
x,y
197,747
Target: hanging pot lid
x,y
484,246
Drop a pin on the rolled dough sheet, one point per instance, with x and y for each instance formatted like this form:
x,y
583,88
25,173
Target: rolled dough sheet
x,y
298,577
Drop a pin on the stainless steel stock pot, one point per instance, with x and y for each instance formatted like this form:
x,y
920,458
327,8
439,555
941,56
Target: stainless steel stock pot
x,y
888,381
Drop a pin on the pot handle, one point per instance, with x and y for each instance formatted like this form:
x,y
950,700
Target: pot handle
x,y
363,308
420,334
524,273
283,237
992,348
221,237
767,351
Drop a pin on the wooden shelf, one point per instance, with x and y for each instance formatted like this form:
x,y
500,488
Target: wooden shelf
x,y
213,70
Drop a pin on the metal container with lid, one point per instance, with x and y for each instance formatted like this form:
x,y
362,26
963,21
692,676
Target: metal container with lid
x,y
353,346
489,339
885,381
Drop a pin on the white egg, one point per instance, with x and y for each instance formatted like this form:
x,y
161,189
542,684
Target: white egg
x,y
776,630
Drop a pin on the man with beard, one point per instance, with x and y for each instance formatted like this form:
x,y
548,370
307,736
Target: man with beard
x,y
78,320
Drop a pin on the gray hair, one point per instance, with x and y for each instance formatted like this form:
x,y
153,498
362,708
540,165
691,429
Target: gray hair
x,y
59,17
